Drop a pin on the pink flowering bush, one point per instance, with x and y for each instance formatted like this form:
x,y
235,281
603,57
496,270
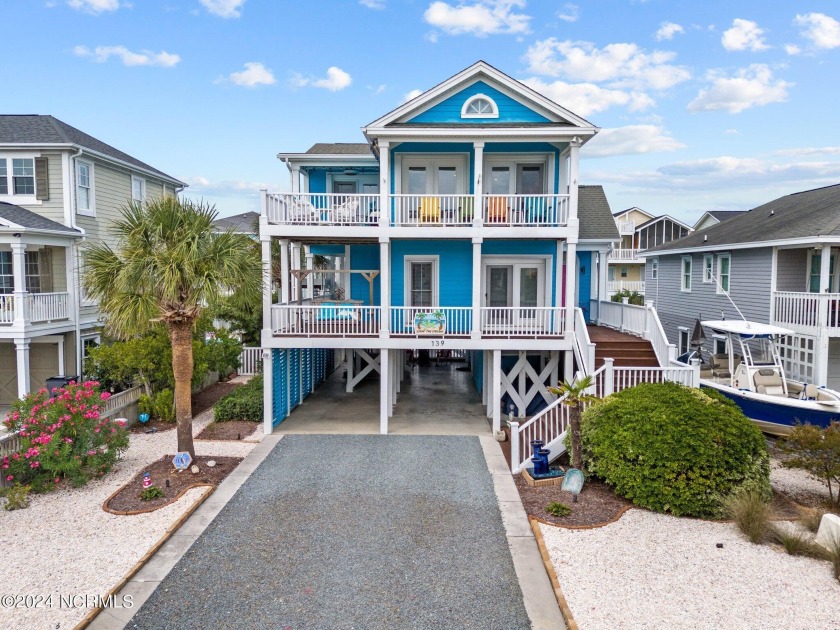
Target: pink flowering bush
x,y
62,437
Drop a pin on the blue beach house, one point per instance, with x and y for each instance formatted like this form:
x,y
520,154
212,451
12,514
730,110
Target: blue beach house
x,y
456,226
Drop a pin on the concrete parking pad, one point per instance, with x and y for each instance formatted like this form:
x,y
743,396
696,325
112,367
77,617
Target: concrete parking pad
x,y
352,532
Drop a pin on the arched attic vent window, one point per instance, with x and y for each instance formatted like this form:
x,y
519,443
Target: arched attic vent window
x,y
480,106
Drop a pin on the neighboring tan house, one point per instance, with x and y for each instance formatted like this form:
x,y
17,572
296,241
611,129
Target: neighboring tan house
x,y
59,188
638,230
713,217
776,263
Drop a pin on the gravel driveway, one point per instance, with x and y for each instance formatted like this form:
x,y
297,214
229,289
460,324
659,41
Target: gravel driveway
x,y
351,532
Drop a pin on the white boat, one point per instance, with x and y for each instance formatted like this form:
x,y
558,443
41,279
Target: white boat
x,y
751,374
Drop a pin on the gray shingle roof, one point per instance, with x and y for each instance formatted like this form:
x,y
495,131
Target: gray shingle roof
x,y
596,219
27,219
340,148
39,129
245,223
723,215
806,214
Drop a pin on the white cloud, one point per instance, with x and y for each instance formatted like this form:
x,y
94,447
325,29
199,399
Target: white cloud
x,y
336,80
822,30
481,18
101,54
744,35
569,13
410,95
200,185
253,75
379,89
224,8
732,132
749,87
95,6
792,49
584,99
667,31
809,151
377,5
631,140
621,65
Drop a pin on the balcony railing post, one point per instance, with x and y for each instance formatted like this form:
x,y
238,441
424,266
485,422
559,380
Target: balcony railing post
x,y
514,446
609,377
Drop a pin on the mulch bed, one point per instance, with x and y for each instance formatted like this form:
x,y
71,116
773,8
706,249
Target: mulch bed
x,y
597,504
230,430
206,398
127,499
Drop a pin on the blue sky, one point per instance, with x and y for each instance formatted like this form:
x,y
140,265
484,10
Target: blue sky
x,y
703,105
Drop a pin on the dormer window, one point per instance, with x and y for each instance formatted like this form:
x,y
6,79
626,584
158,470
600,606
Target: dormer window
x,y
480,106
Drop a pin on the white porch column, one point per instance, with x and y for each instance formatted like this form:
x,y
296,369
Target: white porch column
x,y
284,271
603,294
384,183
496,400
825,269
384,286
61,367
350,361
22,350
310,277
384,394
476,287
574,151
571,282
558,281
478,184
295,280
266,278
295,179
268,392
19,276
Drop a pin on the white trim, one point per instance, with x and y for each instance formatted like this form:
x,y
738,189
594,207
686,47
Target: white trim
x,y
11,197
719,283
708,268
683,287
791,243
543,262
494,109
90,211
432,162
654,268
680,349
142,182
420,258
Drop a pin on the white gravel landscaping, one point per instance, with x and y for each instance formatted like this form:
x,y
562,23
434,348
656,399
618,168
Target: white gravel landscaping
x,y
651,570
66,544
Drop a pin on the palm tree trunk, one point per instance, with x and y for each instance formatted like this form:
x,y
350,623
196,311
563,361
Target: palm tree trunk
x,y
180,336
574,421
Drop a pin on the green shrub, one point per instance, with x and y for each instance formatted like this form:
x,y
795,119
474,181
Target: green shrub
x,y
243,403
751,514
152,492
223,353
558,509
17,497
817,451
633,297
145,404
675,449
62,437
163,405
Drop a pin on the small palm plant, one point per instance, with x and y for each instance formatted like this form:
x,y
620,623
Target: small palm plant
x,y
168,265
576,397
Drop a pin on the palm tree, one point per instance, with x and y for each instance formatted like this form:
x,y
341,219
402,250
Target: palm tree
x,y
168,265
576,397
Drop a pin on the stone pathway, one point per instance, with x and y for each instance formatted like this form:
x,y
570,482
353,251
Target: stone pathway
x,y
351,532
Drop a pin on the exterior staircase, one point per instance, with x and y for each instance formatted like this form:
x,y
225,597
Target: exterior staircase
x,y
626,350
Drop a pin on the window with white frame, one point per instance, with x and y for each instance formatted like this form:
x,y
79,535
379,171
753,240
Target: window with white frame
x,y
654,268
17,176
32,271
84,188
708,267
724,265
683,341
89,343
7,278
138,189
624,272
421,281
480,106
719,344
685,274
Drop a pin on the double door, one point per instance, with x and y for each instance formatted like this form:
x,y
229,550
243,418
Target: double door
x,y
514,293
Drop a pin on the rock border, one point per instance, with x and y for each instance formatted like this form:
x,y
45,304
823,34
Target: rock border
x,y
617,516
565,610
150,509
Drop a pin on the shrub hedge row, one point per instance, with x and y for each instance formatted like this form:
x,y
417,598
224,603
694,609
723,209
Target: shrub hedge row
x,y
243,403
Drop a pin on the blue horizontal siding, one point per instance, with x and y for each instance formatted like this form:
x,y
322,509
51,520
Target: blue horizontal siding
x,y
327,250
318,180
525,248
364,257
454,269
449,110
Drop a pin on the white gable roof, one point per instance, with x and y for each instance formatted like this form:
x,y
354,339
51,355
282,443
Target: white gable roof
x,y
477,71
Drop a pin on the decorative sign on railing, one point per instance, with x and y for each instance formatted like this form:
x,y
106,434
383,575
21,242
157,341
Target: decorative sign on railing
x,y
430,323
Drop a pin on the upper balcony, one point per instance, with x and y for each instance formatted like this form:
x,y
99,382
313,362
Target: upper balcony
x,y
626,228
807,313
624,256
34,308
323,210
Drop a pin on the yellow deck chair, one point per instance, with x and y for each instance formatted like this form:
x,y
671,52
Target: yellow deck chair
x,y
497,210
430,210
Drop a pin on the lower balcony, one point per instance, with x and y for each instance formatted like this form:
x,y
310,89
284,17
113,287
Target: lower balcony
x,y
352,320
34,308
617,286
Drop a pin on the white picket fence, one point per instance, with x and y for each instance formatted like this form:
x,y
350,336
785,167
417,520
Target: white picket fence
x,y
250,361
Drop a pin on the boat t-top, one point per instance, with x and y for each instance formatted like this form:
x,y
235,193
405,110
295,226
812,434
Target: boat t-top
x,y
751,374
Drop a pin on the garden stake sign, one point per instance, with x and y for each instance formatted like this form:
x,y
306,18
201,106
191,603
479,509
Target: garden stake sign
x,y
182,460
573,482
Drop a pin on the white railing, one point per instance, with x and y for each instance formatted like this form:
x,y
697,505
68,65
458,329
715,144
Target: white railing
x,y
416,210
120,401
322,209
584,348
250,361
47,307
525,210
431,321
325,320
805,312
642,321
7,309
609,379
548,425
626,227
515,321
623,254
666,353
616,286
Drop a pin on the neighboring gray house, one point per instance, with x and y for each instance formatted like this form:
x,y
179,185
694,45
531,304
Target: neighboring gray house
x,y
713,217
245,223
59,187
776,263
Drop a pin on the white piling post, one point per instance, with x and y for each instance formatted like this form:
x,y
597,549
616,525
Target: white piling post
x,y
695,372
514,447
609,377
